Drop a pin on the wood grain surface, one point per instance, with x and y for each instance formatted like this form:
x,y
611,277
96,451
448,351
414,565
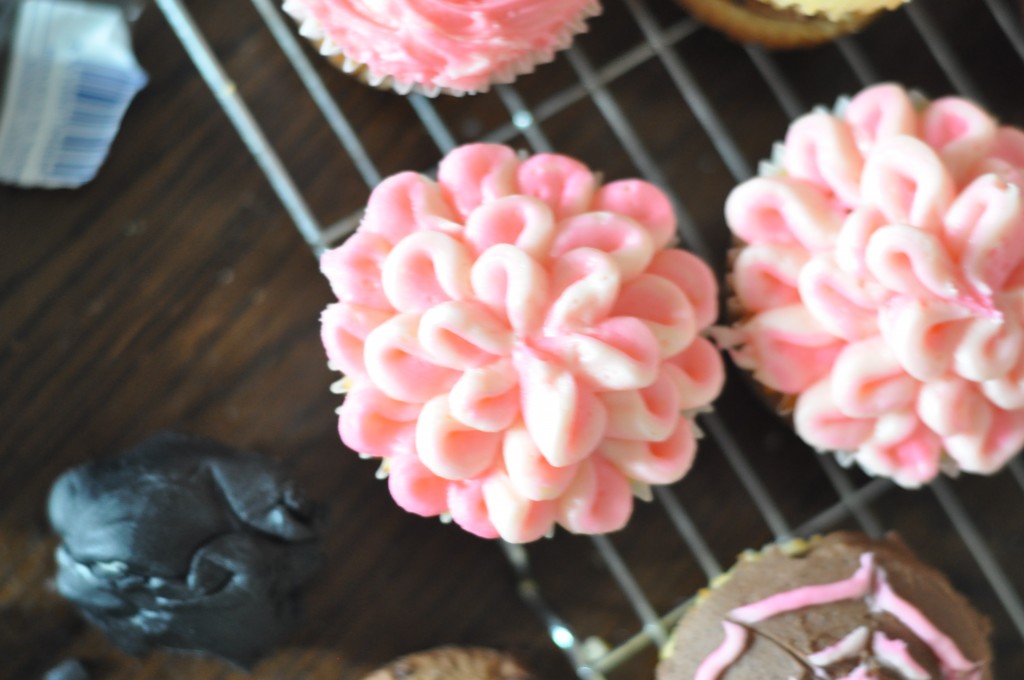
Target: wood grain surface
x,y
173,291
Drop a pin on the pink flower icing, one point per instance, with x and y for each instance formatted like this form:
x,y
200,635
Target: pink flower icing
x,y
521,346
883,275
869,583
455,46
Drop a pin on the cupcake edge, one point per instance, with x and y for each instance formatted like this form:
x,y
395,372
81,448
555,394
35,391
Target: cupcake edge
x,y
312,29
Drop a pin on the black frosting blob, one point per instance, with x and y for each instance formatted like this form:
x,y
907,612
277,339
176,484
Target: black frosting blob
x,y
185,543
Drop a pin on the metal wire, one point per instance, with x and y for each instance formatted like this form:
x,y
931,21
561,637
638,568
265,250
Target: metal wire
x,y
590,658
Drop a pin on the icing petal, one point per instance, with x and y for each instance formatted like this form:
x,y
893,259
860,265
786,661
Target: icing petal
x,y
513,285
344,329
694,278
914,262
960,130
842,303
415,488
373,424
989,348
819,421
353,270
663,462
620,353
486,398
1007,392
952,406
517,519
425,269
647,414
563,183
463,335
474,174
522,221
584,286
821,150
698,373
852,244
907,181
765,275
531,475
880,112
449,448
983,227
922,333
406,203
787,349
902,448
598,501
565,419
784,211
468,508
663,308
1008,146
868,381
988,448
397,363
1007,156
642,201
625,240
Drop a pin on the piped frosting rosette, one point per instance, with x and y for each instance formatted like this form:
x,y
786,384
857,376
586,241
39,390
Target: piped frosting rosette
x,y
434,46
518,344
881,283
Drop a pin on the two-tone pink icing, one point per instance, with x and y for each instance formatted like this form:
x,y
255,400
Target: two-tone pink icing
x,y
432,46
883,281
519,344
872,649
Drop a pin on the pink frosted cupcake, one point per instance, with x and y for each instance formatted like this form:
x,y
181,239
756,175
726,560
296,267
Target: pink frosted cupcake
x,y
519,345
881,283
433,46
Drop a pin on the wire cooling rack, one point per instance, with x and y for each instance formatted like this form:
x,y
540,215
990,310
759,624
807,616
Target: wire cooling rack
x,y
684,71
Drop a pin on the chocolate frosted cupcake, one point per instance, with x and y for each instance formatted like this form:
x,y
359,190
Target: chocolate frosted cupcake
x,y
839,606
453,663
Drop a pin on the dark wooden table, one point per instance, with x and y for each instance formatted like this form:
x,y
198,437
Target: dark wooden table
x,y
174,292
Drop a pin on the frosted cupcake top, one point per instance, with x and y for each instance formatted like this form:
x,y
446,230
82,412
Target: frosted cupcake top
x,y
883,283
868,649
837,607
456,46
519,345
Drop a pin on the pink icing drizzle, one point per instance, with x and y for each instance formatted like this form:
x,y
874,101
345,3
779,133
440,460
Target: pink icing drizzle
x,y
883,260
456,46
869,582
522,346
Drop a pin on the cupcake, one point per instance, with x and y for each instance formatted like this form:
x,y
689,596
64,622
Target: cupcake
x,y
519,344
786,24
188,544
879,282
453,663
839,606
450,46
